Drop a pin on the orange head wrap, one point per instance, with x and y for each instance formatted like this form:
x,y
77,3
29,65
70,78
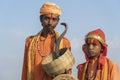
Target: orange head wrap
x,y
49,7
99,35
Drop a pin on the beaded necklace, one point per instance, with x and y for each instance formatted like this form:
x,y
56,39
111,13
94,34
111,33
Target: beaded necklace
x,y
93,76
39,49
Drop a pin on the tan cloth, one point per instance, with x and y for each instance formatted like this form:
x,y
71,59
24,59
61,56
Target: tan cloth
x,y
49,7
37,71
65,77
109,72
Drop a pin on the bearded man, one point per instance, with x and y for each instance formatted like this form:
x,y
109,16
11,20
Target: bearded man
x,y
38,46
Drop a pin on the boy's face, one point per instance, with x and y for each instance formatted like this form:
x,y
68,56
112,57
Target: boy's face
x,y
93,48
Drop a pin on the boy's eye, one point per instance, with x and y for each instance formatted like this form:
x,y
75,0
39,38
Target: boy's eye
x,y
88,44
94,44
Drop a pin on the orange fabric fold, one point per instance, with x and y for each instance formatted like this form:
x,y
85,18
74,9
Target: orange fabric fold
x,y
110,71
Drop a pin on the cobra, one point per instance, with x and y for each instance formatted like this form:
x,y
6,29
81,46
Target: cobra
x,y
59,39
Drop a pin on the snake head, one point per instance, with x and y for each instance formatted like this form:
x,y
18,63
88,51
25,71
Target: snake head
x,y
64,24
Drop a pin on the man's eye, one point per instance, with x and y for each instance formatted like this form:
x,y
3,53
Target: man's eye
x,y
46,18
55,19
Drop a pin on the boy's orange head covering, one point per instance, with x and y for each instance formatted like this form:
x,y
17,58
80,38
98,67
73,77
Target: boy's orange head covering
x,y
49,7
99,35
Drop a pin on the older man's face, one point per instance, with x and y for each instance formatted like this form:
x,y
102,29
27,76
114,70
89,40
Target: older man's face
x,y
49,21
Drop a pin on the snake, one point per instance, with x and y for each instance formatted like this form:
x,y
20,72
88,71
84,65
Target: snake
x,y
57,51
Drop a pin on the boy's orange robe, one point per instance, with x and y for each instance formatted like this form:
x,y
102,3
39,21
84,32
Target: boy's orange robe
x,y
110,71
99,68
45,45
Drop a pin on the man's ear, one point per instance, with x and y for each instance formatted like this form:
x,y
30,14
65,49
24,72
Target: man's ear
x,y
41,16
58,18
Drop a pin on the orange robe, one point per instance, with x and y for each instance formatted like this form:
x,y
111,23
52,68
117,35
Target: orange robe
x,y
45,47
110,71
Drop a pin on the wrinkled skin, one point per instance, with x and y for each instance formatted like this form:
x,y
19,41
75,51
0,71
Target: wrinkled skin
x,y
49,22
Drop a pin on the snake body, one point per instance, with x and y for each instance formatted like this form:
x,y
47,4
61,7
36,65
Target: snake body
x,y
59,39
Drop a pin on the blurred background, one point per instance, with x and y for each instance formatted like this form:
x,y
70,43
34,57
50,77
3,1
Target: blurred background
x,y
20,18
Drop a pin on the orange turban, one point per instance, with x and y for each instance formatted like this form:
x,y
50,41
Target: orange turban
x,y
97,34
49,7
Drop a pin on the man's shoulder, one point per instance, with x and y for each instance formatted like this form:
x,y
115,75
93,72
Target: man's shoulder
x,y
64,38
29,39
66,42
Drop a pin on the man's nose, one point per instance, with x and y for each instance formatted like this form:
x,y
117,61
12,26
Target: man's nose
x,y
50,21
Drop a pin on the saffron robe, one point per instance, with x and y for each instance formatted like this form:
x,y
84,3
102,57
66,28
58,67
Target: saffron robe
x,y
45,45
110,71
